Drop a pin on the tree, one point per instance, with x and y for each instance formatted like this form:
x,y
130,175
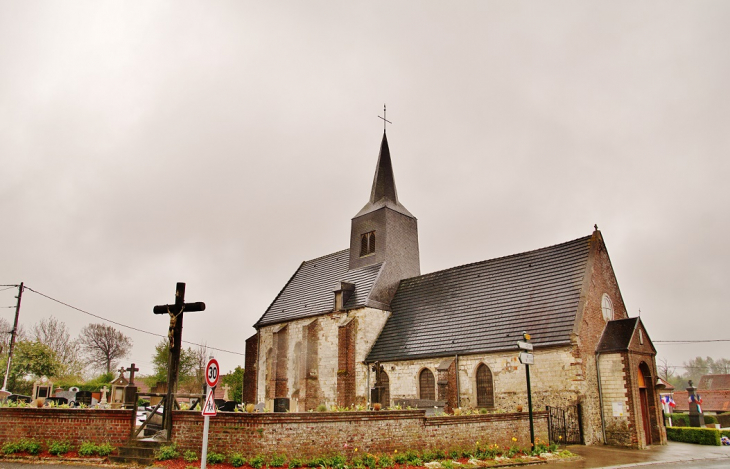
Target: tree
x,y
31,360
104,346
190,376
720,367
234,379
697,367
54,334
6,328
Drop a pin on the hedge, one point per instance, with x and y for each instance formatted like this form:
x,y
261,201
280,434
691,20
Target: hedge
x,y
681,419
701,436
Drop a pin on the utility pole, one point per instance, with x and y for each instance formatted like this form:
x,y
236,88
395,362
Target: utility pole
x,y
13,333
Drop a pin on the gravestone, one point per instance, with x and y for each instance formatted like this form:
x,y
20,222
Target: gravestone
x,y
83,397
42,388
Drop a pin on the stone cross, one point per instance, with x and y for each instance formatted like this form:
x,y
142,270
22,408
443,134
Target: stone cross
x,y
121,371
175,311
131,370
226,388
104,390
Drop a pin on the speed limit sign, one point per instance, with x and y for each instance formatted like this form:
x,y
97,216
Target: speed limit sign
x,y
212,372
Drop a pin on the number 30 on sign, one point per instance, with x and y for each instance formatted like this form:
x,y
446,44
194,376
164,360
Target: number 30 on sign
x,y
212,372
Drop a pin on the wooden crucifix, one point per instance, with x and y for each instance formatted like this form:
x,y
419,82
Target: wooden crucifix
x,y
175,311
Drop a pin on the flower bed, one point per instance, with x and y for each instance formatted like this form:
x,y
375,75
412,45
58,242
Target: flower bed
x,y
478,456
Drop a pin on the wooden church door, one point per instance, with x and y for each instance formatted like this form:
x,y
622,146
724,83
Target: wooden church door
x,y
644,402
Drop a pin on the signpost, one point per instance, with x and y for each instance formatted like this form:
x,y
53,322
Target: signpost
x,y
212,373
528,359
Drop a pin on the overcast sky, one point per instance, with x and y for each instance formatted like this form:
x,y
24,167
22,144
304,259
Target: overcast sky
x,y
222,143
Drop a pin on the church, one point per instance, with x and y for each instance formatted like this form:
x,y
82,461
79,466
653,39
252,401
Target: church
x,y
364,325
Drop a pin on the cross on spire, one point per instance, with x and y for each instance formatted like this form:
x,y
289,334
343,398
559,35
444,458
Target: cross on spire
x,y
385,121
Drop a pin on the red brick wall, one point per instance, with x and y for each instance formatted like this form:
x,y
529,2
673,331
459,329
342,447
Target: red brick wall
x,y
309,434
249,377
73,425
346,364
590,324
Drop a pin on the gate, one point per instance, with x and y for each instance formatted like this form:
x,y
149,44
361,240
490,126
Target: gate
x,y
564,425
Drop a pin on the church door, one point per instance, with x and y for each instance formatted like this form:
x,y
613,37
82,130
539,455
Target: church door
x,y
644,404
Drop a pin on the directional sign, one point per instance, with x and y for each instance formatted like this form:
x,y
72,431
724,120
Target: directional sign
x,y
527,358
212,372
209,409
524,345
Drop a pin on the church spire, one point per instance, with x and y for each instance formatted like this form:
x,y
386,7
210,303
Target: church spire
x,y
384,193
384,182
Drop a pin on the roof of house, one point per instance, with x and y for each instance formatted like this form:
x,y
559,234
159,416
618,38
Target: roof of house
x,y
310,291
712,401
486,306
714,382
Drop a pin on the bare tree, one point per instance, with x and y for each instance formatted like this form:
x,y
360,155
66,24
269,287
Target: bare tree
x,y
104,346
55,335
665,371
6,327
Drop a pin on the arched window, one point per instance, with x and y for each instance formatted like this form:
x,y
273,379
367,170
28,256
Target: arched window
x,y
367,244
384,383
427,385
607,307
485,387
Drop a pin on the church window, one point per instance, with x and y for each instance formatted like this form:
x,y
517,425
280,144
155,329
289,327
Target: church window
x,y
367,244
607,307
427,385
485,387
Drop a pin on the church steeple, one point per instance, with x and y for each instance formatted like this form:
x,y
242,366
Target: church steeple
x,y
385,232
384,193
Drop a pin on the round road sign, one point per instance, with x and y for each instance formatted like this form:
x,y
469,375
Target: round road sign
x,y
212,372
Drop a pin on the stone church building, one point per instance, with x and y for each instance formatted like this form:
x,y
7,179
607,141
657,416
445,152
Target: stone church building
x,y
363,325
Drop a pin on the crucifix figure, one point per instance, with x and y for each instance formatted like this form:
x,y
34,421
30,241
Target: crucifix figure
x,y
175,311
226,388
131,374
385,121
104,390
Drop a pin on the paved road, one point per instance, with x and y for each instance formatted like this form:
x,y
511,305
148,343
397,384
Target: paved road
x,y
672,455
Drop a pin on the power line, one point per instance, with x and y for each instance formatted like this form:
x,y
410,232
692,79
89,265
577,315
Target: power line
x,y
124,325
689,341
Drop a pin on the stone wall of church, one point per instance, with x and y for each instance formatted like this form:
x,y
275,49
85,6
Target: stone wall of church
x,y
615,399
553,379
314,362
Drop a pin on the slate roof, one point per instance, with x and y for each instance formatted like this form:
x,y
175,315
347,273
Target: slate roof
x,y
486,306
310,291
617,335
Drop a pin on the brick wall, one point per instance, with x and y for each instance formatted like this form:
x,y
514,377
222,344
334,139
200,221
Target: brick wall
x,y
250,375
346,363
73,425
309,434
